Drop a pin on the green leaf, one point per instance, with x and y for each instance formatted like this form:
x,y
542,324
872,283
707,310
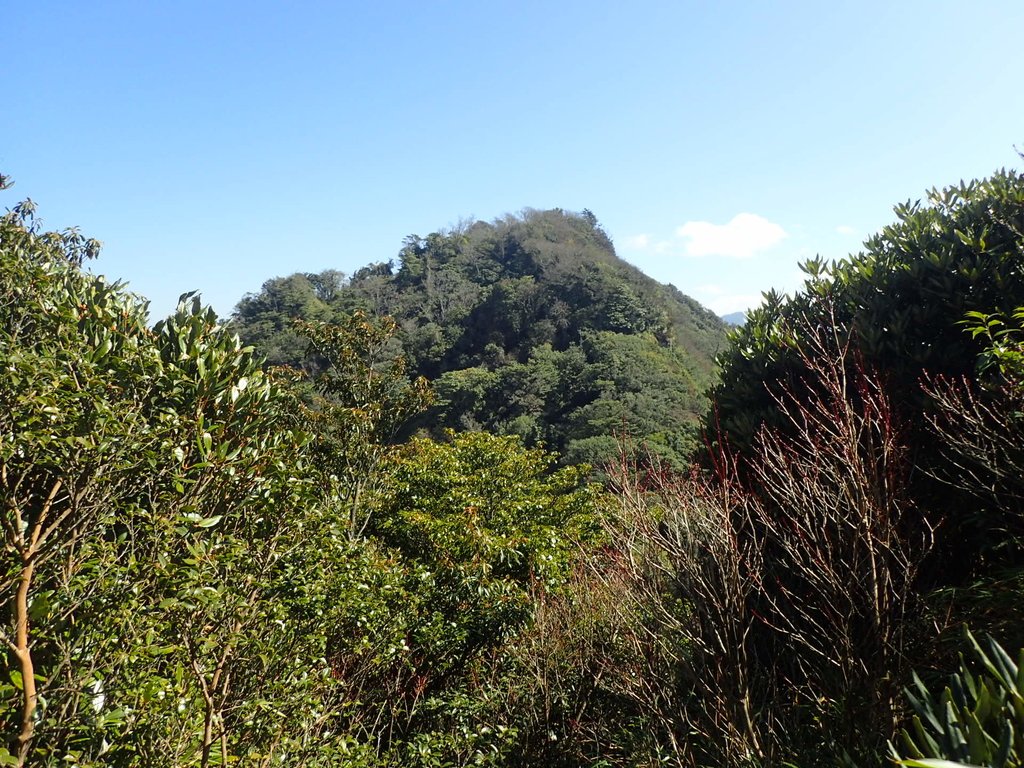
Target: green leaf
x,y
114,716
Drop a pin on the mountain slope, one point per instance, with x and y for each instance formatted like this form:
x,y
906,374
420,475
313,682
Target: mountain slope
x,y
528,325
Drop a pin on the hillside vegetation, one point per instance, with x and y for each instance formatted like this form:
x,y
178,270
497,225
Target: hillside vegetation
x,y
208,561
529,326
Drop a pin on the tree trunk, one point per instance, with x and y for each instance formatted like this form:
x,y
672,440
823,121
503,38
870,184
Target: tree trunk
x,y
24,655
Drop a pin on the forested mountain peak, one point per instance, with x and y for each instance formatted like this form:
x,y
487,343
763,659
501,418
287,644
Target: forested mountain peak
x,y
521,322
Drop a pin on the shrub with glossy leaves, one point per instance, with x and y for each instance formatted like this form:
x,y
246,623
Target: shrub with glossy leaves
x,y
903,298
154,496
977,719
902,304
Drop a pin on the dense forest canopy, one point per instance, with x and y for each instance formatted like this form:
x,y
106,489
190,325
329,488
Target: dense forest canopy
x,y
213,561
530,325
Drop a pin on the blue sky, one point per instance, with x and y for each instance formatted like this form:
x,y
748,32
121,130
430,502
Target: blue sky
x,y
213,145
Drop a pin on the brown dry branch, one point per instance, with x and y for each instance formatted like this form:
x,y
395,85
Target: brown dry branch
x,y
842,544
983,431
778,597
682,568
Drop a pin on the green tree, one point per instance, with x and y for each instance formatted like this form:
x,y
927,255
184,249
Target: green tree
x,y
71,422
156,507
486,529
365,401
903,299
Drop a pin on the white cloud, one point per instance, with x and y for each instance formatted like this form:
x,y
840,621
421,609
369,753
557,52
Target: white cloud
x,y
845,229
637,242
743,237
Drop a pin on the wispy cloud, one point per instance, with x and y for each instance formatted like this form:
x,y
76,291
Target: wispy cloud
x,y
722,302
746,235
846,229
648,243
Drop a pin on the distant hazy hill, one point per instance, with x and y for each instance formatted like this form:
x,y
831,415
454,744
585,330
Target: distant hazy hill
x,y
735,318
528,325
